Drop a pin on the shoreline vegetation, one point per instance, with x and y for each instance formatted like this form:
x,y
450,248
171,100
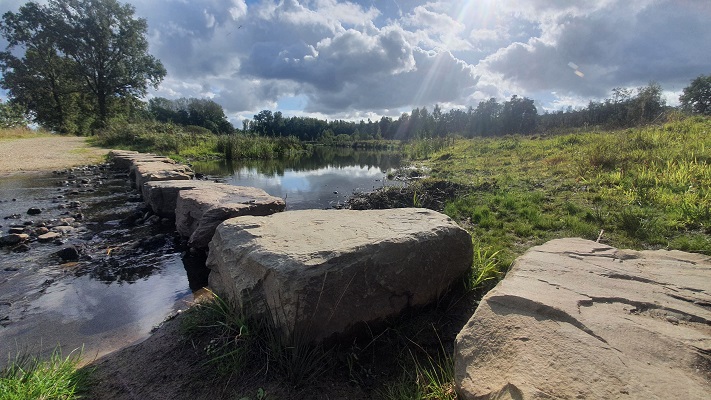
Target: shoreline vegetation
x,y
645,187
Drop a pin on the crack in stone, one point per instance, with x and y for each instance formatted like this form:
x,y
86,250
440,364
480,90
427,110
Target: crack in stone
x,y
544,310
626,277
641,306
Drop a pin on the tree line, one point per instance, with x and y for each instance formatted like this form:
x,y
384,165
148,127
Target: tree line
x,y
73,66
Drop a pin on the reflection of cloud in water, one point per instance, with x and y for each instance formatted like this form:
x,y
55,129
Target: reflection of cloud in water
x,y
102,308
315,188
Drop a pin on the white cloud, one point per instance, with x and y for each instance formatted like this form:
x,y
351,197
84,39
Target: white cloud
x,y
362,57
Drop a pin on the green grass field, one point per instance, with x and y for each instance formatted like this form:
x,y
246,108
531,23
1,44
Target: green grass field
x,y
642,188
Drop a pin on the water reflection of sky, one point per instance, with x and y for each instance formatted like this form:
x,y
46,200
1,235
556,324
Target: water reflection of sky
x,y
323,187
83,312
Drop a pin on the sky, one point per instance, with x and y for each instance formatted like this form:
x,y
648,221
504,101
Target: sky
x,y
365,59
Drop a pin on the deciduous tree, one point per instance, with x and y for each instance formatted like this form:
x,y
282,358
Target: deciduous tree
x,y
696,97
90,52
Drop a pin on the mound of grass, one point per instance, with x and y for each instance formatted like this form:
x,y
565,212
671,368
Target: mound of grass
x,y
28,377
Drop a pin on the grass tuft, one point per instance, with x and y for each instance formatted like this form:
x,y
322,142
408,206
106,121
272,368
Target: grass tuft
x,y
28,377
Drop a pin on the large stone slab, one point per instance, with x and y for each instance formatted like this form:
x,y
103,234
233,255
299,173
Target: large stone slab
x,y
162,196
147,167
198,211
578,319
320,272
124,159
152,171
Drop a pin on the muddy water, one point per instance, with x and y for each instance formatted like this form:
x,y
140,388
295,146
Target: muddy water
x,y
129,275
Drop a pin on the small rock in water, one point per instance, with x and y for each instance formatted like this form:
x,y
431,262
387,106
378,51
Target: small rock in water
x,y
13,239
34,211
21,248
16,230
49,236
69,254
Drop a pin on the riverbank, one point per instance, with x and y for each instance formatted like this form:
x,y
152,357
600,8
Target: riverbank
x,y
33,153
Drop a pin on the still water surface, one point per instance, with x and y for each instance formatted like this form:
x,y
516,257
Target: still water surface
x,y
44,303
324,179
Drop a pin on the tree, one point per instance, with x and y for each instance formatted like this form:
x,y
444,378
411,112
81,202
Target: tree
x,y
92,51
519,115
647,105
11,116
199,112
696,97
43,81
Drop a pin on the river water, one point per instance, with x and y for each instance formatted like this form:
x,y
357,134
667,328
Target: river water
x,y
325,179
132,275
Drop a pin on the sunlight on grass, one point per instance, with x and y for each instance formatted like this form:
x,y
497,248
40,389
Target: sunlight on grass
x,y
645,188
22,133
28,377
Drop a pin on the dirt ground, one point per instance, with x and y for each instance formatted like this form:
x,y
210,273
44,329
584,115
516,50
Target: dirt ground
x,y
46,153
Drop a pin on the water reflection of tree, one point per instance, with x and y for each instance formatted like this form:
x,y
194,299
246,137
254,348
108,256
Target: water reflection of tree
x,y
322,156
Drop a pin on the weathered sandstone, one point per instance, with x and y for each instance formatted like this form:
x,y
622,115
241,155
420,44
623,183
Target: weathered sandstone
x,y
146,167
124,159
150,171
578,319
162,196
320,272
198,211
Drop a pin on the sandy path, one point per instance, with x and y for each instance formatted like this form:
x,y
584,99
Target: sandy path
x,y
49,153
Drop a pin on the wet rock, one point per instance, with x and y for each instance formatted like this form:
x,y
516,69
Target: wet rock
x,y
153,220
16,230
63,230
576,319
49,236
13,239
70,253
326,272
21,248
34,211
66,221
41,231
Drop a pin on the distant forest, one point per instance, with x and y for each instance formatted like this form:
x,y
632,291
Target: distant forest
x,y
518,115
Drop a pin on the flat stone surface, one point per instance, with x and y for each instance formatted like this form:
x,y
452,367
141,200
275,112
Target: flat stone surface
x,y
162,196
49,236
578,319
198,211
322,272
124,159
150,171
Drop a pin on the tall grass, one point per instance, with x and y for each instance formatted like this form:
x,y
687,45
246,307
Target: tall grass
x,y
28,377
235,344
193,143
423,148
239,146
